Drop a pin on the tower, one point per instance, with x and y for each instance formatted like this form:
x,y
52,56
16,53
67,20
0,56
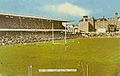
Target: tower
x,y
85,18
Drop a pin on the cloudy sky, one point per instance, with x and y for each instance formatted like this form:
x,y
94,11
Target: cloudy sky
x,y
65,9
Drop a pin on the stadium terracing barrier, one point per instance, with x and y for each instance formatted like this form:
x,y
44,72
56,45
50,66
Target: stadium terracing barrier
x,y
57,70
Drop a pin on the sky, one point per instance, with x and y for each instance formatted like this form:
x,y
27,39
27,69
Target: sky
x,y
64,9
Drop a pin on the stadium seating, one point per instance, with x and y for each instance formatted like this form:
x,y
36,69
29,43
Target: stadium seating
x,y
17,22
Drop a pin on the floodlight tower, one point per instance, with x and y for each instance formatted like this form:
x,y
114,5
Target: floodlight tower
x,y
116,18
116,14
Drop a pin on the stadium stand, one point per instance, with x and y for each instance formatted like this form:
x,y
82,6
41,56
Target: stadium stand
x,y
15,29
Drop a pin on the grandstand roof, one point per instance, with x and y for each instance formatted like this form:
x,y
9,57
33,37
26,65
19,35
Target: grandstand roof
x,y
37,17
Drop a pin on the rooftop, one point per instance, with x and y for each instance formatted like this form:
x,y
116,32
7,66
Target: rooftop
x,y
37,17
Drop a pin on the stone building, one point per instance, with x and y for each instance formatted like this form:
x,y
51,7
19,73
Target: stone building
x,y
100,25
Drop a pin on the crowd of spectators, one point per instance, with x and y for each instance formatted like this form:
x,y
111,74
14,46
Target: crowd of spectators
x,y
100,35
11,38
14,22
8,38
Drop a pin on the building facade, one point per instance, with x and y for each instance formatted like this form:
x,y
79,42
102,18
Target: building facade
x,y
100,25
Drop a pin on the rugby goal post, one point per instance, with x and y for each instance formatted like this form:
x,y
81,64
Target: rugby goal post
x,y
65,35
30,70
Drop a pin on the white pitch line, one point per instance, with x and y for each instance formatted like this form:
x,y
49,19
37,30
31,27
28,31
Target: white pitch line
x,y
57,70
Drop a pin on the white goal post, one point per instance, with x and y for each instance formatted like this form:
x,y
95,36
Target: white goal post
x,y
63,30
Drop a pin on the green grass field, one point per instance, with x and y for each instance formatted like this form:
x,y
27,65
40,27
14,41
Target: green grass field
x,y
102,55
